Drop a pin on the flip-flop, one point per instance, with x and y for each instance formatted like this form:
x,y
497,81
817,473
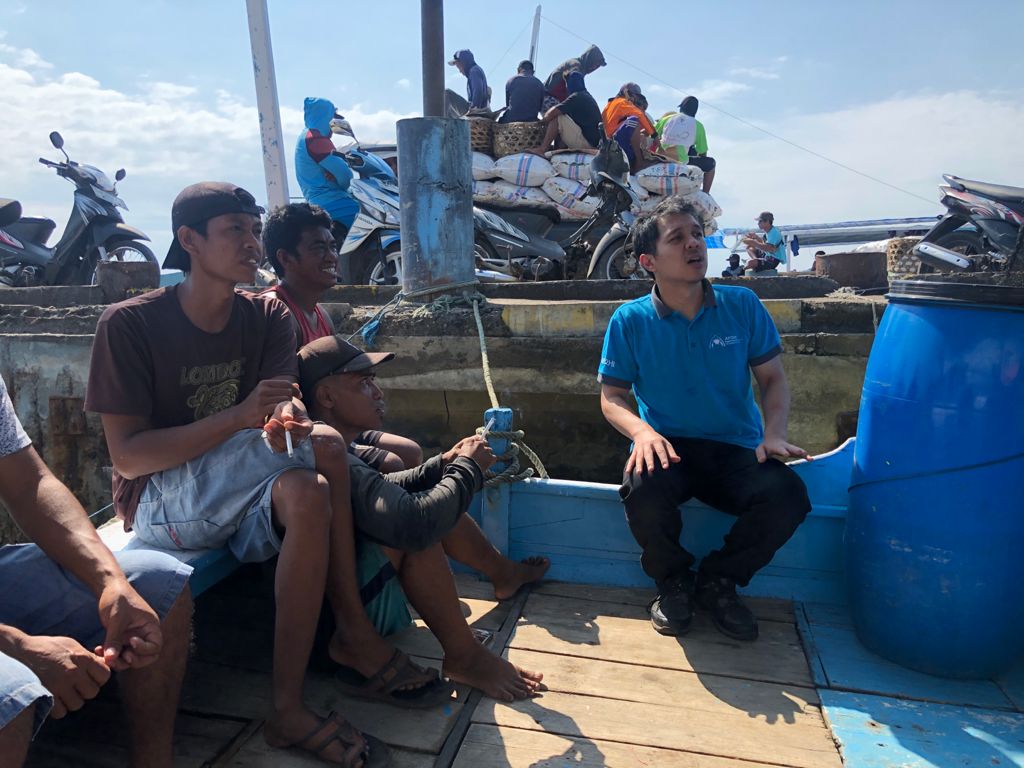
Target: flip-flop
x,y
386,684
332,728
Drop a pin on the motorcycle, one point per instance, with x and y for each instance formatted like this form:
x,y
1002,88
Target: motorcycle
x,y
95,232
982,230
502,252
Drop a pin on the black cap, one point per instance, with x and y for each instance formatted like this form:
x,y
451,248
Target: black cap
x,y
331,355
200,202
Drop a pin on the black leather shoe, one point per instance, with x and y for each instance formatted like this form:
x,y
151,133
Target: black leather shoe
x,y
731,617
672,610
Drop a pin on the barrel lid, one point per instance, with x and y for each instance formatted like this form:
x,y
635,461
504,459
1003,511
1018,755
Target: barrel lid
x,y
958,292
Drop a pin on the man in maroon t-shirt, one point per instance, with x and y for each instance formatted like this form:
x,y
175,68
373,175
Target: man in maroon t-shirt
x,y
196,388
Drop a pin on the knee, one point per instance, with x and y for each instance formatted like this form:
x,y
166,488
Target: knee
x,y
791,495
329,449
300,495
648,493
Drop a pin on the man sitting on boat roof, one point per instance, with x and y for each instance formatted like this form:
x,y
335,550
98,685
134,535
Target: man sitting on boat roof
x,y
407,521
687,352
71,613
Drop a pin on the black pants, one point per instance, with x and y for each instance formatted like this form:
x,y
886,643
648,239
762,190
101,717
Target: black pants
x,y
769,500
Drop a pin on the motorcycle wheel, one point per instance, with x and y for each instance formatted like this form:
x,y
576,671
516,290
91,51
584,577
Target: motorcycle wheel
x,y
610,265
130,251
389,274
963,242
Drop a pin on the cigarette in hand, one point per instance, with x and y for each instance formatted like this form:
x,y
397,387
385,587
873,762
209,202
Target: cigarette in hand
x,y
487,427
288,444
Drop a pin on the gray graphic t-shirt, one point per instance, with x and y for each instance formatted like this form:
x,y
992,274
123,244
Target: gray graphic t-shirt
x,y
12,434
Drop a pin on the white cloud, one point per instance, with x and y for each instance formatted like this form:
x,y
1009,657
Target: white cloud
x,y
754,72
709,90
404,83
166,135
23,57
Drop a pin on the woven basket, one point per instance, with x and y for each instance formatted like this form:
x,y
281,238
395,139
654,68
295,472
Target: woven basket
x,y
900,261
510,138
481,134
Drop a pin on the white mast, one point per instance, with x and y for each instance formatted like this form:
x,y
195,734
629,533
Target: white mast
x,y
534,39
274,168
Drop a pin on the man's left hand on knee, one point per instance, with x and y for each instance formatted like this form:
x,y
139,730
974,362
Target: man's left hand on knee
x,y
776,446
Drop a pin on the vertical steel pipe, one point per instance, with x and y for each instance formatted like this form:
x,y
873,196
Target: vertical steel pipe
x,y
432,45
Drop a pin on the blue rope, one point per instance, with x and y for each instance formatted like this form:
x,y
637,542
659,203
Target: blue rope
x,y
369,329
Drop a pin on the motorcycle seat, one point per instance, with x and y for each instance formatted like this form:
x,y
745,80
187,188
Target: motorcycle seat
x,y
33,229
10,211
1014,195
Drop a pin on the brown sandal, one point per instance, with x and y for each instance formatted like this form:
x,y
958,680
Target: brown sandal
x,y
332,728
386,684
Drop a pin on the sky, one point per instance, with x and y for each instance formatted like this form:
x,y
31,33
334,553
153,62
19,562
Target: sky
x,y
790,91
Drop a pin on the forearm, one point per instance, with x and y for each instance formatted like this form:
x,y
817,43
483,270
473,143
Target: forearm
x,y
51,516
620,415
775,404
11,639
412,521
421,477
154,450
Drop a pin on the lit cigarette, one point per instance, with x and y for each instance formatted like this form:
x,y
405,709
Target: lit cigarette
x,y
487,428
288,444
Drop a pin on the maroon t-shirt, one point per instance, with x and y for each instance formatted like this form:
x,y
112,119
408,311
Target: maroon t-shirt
x,y
148,359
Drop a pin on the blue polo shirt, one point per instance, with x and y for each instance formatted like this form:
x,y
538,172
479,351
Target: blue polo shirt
x,y
691,378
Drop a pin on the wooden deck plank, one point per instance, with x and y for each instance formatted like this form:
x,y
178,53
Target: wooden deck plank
x,y
666,727
216,689
764,608
487,746
89,739
255,753
627,683
615,632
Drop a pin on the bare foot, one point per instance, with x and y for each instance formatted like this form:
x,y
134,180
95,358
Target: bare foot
x,y
298,728
495,676
516,574
536,151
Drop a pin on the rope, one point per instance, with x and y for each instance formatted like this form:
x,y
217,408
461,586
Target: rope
x,y
483,355
369,329
100,511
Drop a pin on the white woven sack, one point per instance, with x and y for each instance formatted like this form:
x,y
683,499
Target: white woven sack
x,y
710,227
572,165
579,212
484,190
638,190
671,178
511,194
523,169
483,166
564,191
704,203
650,203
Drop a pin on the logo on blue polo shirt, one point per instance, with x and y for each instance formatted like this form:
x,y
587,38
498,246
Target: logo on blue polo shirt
x,y
723,341
607,363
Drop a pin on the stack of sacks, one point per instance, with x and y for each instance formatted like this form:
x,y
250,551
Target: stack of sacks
x,y
518,178
561,183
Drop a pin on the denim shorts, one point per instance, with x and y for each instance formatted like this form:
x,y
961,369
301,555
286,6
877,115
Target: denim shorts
x,y
41,598
221,498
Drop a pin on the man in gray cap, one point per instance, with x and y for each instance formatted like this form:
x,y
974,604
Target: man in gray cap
x,y
196,386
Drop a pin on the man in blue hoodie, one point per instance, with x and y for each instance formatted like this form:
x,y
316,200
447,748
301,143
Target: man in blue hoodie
x,y
323,176
477,92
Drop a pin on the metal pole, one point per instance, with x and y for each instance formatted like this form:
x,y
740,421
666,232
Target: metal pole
x,y
274,168
436,189
432,45
536,37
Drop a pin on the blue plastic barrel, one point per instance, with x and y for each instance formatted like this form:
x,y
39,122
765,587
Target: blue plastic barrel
x,y
935,532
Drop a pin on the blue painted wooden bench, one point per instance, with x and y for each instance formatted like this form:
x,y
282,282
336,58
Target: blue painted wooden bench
x,y
581,528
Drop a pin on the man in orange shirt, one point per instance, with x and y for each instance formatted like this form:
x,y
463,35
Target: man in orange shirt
x,y
626,121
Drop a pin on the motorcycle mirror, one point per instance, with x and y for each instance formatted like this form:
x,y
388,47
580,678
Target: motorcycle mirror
x,y
57,140
120,174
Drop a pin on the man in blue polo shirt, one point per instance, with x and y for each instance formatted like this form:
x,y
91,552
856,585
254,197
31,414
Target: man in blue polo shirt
x,y
687,352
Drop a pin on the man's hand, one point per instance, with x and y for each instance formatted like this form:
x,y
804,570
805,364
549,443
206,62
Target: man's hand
x,y
66,669
776,446
449,456
287,417
134,637
264,400
650,450
477,449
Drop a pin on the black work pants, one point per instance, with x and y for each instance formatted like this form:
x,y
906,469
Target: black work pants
x,y
769,500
